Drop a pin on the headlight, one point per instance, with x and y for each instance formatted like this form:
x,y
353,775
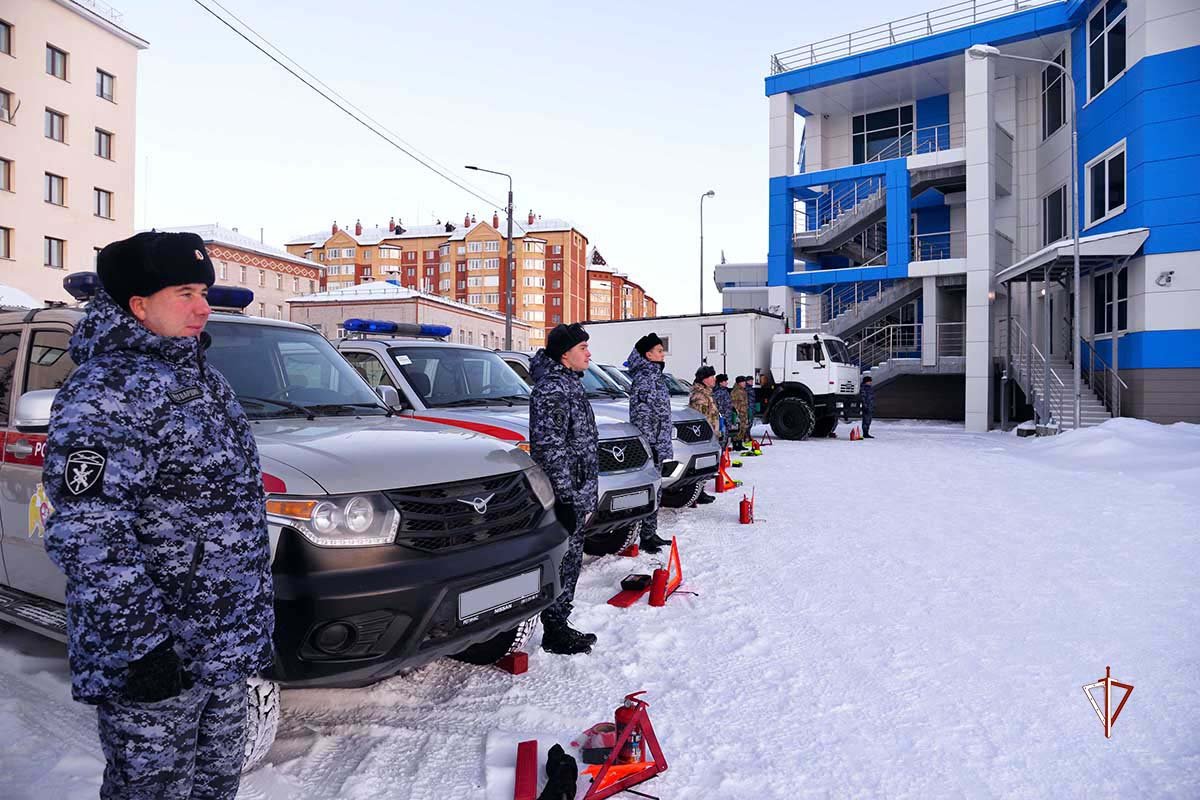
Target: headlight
x,y
674,433
361,520
542,488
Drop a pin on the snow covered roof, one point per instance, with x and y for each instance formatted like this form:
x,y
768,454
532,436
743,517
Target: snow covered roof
x,y
421,232
12,298
551,225
312,238
217,235
389,291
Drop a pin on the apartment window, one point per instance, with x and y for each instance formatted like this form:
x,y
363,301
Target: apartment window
x,y
492,246
444,285
104,143
462,266
1054,97
445,267
278,281
491,263
535,316
241,274
5,38
1102,301
557,285
56,126
535,299
493,299
5,175
1106,184
295,284
474,263
556,318
56,189
461,250
556,301
1054,215
104,85
462,284
366,254
262,278
312,287
348,252
5,242
556,250
878,131
102,203
535,247
474,298
52,252
412,272
431,255
262,309
350,271
445,249
535,282
278,312
1106,46
223,271
475,247
558,266
5,106
56,62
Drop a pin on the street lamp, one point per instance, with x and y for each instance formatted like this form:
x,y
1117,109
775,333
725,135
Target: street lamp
x,y
709,193
510,272
987,51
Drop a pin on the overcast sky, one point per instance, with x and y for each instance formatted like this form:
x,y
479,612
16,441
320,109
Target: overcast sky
x,y
615,115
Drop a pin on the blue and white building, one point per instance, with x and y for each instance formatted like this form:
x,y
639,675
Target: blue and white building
x,y
920,204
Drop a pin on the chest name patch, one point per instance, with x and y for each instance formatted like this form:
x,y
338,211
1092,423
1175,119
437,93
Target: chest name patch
x,y
186,395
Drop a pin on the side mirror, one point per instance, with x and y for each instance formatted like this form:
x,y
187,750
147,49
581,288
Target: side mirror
x,y
33,411
389,395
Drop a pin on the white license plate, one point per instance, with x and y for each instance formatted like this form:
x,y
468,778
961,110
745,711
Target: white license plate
x,y
706,461
624,502
499,596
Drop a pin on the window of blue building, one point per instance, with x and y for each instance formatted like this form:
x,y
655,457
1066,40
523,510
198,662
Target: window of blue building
x,y
1106,184
879,130
1103,299
1054,98
1106,46
1054,216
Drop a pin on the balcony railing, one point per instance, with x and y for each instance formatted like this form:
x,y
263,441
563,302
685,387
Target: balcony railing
x,y
940,245
948,18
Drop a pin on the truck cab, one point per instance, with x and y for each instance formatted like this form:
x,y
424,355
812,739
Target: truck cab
x,y
816,384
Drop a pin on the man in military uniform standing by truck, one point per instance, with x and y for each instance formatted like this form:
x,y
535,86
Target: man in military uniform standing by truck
x,y
563,442
160,528
650,412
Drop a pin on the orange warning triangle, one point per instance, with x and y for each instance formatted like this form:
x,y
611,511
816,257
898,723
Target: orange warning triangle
x,y
674,568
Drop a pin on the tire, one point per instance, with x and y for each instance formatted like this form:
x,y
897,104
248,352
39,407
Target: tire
x,y
498,646
614,541
262,720
792,418
824,426
683,498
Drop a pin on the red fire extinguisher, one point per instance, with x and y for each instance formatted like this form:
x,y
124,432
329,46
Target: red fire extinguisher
x,y
631,750
746,510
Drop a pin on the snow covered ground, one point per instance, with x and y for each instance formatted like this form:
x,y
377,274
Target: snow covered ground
x,y
912,616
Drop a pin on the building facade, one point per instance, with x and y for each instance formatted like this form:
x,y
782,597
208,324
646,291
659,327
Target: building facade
x,y
387,300
613,295
921,205
68,79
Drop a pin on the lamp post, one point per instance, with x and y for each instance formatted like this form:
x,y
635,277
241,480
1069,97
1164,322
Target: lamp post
x,y
509,271
987,51
709,193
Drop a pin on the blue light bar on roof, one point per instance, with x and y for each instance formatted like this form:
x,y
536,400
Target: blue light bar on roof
x,y
82,285
229,297
384,326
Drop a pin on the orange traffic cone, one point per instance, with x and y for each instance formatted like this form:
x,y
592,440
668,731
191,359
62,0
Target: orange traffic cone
x,y
854,434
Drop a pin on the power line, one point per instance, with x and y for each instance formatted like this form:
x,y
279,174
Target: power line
x,y
343,105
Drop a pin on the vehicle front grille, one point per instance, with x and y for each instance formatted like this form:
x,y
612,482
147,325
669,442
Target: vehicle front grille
x,y
619,455
847,387
693,432
440,518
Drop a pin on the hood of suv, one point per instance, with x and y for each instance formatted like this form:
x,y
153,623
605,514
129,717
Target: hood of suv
x,y
611,423
348,454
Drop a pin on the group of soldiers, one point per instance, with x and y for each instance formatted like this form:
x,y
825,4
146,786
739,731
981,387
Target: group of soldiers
x,y
728,411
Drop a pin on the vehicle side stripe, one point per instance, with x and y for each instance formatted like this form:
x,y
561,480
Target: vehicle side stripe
x,y
478,427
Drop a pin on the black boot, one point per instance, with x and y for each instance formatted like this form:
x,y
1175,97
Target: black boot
x,y
562,773
705,498
565,640
654,543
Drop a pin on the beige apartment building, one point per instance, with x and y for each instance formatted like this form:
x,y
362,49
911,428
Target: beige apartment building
x,y
68,78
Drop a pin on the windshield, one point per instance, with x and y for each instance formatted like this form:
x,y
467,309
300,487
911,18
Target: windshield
x,y
838,352
286,372
677,387
597,384
618,376
459,376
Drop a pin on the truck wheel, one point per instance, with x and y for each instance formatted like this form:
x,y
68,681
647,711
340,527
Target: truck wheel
x,y
792,418
824,426
498,646
614,541
683,498
262,720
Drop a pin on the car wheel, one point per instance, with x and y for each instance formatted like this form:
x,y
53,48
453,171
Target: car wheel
x,y
262,720
792,418
499,646
825,426
684,498
613,541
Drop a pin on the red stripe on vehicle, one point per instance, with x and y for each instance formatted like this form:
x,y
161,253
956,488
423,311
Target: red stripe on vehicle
x,y
478,427
15,439
273,485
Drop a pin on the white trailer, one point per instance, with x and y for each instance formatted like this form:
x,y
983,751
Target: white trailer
x,y
734,343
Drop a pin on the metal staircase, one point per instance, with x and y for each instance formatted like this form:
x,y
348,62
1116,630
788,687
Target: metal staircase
x,y
894,350
853,306
1047,384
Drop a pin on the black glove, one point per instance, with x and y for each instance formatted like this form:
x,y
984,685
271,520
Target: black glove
x,y
567,516
562,772
155,676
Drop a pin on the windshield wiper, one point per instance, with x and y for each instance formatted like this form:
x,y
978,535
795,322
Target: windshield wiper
x,y
281,403
320,407
472,401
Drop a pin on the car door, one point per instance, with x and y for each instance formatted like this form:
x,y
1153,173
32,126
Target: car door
x,y
45,364
10,346
368,364
809,367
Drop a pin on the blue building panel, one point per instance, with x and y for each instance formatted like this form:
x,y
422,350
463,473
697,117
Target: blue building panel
x,y
1154,350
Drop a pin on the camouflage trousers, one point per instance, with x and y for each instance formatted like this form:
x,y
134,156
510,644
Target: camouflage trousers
x,y
650,523
187,748
568,574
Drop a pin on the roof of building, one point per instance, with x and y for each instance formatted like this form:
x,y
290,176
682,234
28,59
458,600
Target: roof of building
x,y
217,235
312,238
390,290
105,16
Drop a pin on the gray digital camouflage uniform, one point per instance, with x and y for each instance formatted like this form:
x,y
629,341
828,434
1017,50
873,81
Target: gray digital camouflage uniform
x,y
650,413
724,401
151,466
563,442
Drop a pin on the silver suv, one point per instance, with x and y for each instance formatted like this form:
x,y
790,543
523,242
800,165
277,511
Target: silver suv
x,y
472,388
461,552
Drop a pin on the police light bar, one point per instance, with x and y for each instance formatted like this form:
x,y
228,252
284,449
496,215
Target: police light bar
x,y
383,326
82,285
230,297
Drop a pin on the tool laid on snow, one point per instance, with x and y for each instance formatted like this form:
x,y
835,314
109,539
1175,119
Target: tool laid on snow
x,y
660,585
635,755
525,787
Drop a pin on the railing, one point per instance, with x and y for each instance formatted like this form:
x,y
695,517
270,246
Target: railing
x,y
958,15
841,297
951,339
1102,379
888,342
1028,364
940,245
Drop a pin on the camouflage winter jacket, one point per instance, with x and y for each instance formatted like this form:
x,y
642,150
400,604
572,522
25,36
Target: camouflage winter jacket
x,y
562,433
701,400
741,402
724,402
650,404
150,466
868,399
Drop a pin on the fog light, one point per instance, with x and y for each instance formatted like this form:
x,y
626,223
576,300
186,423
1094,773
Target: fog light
x,y
335,637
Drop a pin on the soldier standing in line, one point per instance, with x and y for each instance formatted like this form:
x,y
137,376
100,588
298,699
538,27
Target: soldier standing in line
x,y
724,403
650,413
160,528
741,410
563,442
